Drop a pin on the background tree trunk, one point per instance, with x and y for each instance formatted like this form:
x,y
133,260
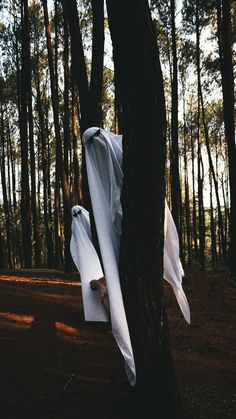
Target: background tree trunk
x,y
25,189
79,72
201,215
34,209
95,90
4,192
175,182
61,169
66,119
45,168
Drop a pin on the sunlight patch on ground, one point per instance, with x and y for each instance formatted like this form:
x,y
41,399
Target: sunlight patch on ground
x,y
38,281
65,329
15,320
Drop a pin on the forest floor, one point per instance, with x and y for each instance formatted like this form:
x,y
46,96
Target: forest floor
x,y
54,365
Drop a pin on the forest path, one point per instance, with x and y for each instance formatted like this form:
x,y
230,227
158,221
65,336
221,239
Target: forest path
x,y
54,365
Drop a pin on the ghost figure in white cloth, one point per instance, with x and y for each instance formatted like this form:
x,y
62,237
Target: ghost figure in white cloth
x,y
103,152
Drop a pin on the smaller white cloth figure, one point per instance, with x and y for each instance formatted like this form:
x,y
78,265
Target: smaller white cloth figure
x,y
87,262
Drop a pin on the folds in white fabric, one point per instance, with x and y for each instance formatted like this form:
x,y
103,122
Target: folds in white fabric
x,y
103,161
87,262
104,167
173,270
103,152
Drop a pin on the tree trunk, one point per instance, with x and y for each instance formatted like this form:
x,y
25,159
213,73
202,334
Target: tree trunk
x,y
77,184
139,77
201,216
14,242
2,249
175,182
226,60
35,218
212,224
66,120
95,90
45,163
4,192
79,72
25,190
117,109
226,215
18,84
59,158
186,188
194,227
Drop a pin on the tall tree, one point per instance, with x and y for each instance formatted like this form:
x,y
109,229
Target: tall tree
x,y
35,218
140,81
66,119
6,206
43,142
95,89
175,182
79,71
201,214
59,155
25,189
225,49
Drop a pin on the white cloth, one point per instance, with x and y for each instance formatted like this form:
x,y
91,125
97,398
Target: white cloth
x,y
103,161
103,152
173,270
87,262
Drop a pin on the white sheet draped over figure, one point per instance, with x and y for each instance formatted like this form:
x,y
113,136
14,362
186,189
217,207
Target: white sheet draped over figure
x,y
103,152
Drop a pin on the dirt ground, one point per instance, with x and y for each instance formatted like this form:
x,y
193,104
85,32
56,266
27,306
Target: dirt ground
x,y
54,365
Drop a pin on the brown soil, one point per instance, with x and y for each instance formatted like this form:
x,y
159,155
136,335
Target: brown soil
x,y
54,365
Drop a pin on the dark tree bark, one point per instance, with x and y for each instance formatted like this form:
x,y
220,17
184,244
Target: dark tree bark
x,y
18,85
212,227
201,212
4,192
2,253
95,89
77,184
25,190
79,72
194,226
57,198
45,164
17,258
34,209
186,189
56,246
226,212
117,109
201,215
15,217
3,263
59,156
66,120
139,77
175,181
226,61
